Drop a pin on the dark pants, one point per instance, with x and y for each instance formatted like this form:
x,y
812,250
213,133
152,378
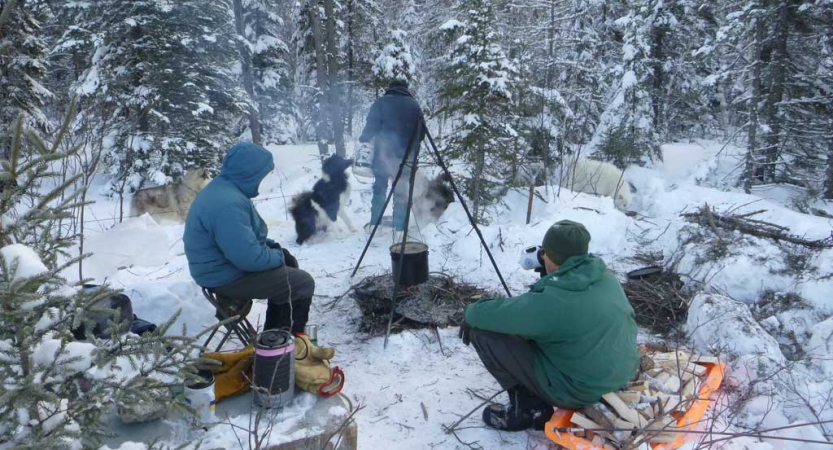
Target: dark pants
x,y
289,292
400,197
511,360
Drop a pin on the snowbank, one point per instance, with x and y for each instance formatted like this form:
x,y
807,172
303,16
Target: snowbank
x,y
135,242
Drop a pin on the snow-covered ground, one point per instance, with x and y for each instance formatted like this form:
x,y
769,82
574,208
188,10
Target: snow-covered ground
x,y
424,380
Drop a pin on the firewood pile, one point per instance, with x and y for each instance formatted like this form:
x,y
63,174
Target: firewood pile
x,y
648,408
658,301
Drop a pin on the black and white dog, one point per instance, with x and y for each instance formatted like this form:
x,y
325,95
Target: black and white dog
x,y
315,210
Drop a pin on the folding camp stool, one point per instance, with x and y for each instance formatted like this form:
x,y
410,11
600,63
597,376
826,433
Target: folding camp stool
x,y
240,327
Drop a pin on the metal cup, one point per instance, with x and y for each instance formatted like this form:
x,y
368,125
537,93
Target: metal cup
x,y
312,333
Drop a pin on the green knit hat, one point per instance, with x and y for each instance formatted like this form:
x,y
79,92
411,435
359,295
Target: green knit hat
x,y
565,239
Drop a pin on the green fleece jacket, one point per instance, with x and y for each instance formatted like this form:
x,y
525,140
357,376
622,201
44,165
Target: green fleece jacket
x,y
581,325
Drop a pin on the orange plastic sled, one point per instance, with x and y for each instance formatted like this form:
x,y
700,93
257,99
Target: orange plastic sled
x,y
694,415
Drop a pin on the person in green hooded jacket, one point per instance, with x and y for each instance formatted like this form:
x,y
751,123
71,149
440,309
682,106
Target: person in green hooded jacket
x,y
565,343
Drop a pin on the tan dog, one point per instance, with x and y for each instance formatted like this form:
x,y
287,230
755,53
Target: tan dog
x,y
170,202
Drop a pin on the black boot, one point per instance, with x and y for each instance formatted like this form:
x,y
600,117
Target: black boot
x,y
524,411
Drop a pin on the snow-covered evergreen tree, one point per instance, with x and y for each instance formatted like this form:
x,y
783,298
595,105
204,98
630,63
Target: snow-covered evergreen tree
x,y
55,389
272,80
166,74
23,65
394,61
631,125
478,84
775,58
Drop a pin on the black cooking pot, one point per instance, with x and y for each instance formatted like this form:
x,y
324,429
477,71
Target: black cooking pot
x,y
645,273
414,263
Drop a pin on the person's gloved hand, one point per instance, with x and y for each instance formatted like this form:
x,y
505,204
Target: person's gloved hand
x,y
312,368
465,332
289,260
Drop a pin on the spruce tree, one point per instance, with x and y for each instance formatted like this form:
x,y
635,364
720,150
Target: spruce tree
x,y
55,389
478,88
272,81
394,61
23,65
632,123
165,73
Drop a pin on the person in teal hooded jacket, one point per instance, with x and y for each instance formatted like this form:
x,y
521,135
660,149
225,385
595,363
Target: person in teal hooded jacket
x,y
565,343
228,250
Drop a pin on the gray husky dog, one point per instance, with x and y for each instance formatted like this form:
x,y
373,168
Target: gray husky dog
x,y
170,202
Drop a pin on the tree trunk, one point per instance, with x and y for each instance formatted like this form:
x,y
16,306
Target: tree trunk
x,y
350,64
334,91
6,12
828,180
777,60
246,67
751,165
321,76
657,81
548,68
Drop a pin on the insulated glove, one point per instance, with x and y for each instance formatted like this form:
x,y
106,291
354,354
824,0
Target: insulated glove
x,y
465,332
288,259
231,369
312,368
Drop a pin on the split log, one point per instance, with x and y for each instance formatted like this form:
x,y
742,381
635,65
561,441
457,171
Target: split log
x,y
600,414
696,369
702,359
629,396
584,422
673,383
624,410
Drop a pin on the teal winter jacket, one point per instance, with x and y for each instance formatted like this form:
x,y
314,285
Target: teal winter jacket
x,y
225,237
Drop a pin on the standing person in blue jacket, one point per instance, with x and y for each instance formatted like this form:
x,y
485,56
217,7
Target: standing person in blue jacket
x,y
227,248
393,120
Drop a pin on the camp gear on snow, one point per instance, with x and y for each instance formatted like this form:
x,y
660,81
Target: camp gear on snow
x,y
414,262
235,381
312,333
465,332
103,311
312,369
141,326
274,365
363,161
199,395
153,405
227,308
225,237
565,239
582,327
231,371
